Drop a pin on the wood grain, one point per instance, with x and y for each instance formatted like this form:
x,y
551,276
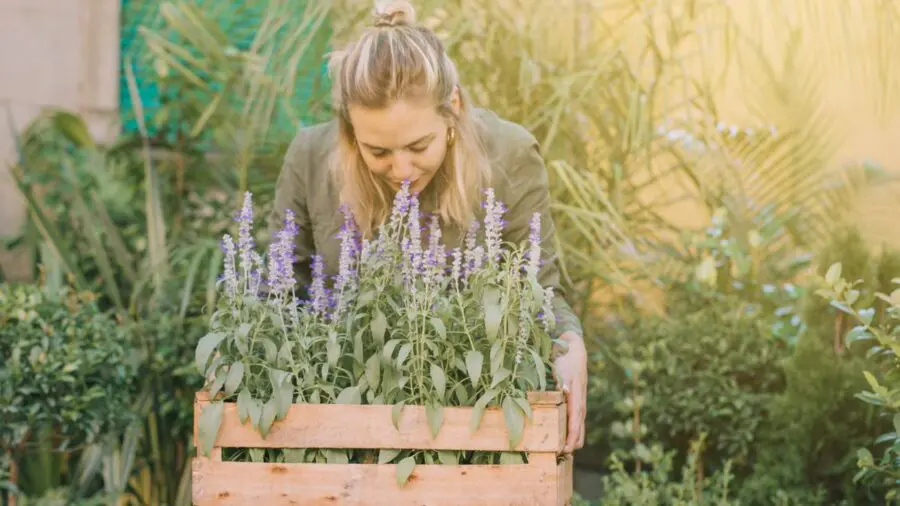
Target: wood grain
x,y
225,483
370,427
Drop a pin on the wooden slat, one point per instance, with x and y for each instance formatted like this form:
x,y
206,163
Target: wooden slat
x,y
565,471
224,483
550,398
370,427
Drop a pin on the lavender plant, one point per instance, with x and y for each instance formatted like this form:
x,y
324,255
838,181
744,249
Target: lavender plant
x,y
404,322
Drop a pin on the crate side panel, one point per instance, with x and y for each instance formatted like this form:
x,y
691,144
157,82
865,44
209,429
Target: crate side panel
x,y
345,426
226,483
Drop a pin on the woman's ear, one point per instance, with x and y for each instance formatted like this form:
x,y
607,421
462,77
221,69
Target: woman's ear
x,y
456,101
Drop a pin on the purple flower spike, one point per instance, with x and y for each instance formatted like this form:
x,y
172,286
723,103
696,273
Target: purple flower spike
x,y
493,225
415,236
245,240
281,256
347,263
318,294
534,245
469,256
401,206
456,266
230,275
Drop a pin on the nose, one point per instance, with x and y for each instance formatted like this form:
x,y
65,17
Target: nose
x,y
402,168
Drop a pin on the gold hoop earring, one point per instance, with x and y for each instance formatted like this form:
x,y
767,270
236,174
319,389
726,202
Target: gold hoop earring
x,y
451,136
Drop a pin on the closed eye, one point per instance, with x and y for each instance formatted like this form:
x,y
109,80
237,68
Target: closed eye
x,y
419,146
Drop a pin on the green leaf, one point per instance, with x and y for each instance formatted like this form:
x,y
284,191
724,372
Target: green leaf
x,y
434,413
864,458
439,380
515,421
643,453
833,274
474,363
244,400
333,456
267,418
511,458
448,458
403,354
492,313
389,348
462,395
897,423
205,348
217,385
404,470
209,423
284,397
866,315
540,368
244,330
379,326
333,350
294,455
497,355
523,404
439,326
285,356
367,297
858,333
479,407
396,411
349,395
358,348
271,351
235,376
254,411
872,381
500,376
278,377
386,455
373,371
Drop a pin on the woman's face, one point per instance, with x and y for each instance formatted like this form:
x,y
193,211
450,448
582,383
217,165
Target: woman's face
x,y
406,140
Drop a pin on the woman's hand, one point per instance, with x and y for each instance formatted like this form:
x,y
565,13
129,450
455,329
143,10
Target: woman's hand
x,y
571,374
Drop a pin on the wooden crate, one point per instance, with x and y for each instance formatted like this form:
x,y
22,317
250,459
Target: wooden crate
x,y
542,481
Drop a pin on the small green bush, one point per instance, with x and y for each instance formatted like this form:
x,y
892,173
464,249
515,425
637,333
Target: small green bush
x,y
64,366
712,370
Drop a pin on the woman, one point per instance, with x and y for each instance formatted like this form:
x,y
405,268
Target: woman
x,y
401,115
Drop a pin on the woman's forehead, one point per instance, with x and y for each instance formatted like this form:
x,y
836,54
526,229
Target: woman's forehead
x,y
400,124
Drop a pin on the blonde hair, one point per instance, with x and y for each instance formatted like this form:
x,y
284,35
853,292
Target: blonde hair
x,y
395,60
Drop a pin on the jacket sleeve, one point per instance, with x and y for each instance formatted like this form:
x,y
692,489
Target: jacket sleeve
x,y
291,193
529,192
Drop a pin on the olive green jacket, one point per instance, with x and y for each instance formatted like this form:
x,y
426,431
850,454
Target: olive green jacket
x,y
519,180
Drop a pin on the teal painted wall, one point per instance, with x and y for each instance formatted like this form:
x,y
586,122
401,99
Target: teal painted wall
x,y
238,20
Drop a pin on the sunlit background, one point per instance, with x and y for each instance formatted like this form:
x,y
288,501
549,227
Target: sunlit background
x,y
709,160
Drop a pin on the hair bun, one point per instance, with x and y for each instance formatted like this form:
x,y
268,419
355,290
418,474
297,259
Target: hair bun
x,y
394,13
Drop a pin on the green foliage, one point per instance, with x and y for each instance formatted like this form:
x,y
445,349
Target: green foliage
x,y
878,339
657,485
66,366
711,370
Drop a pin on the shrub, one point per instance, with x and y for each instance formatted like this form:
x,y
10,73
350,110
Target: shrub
x,y
713,370
65,366
879,340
